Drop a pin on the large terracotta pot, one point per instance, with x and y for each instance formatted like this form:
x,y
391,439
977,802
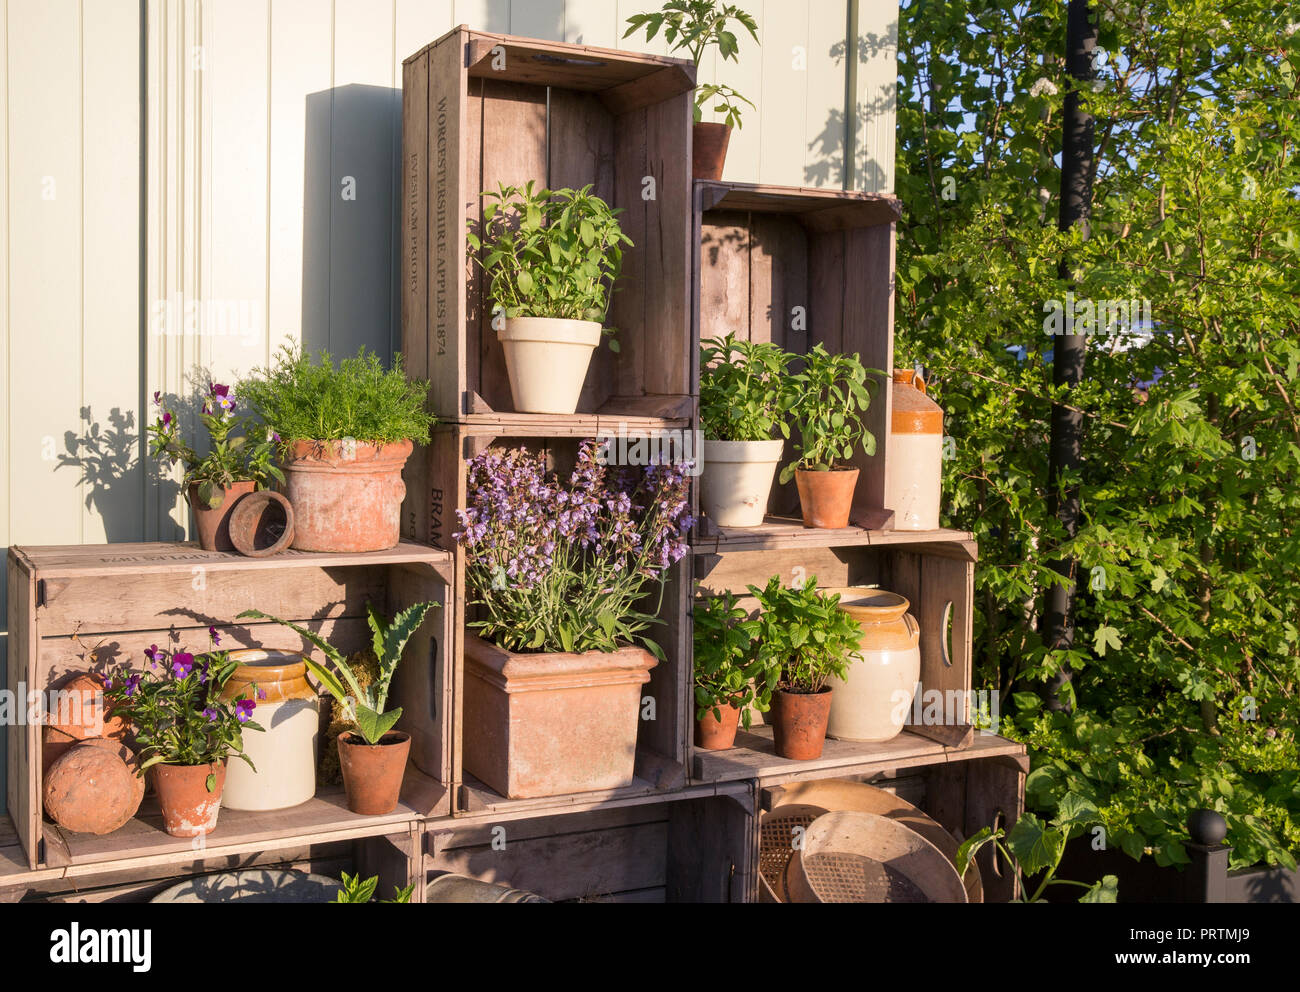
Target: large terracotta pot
x,y
285,752
914,469
546,360
737,480
550,724
825,498
95,787
709,149
214,523
346,495
188,808
874,699
713,734
78,712
799,722
372,773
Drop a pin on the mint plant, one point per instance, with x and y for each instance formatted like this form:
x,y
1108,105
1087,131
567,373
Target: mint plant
x,y
744,395
697,26
804,638
367,707
358,889
726,662
550,252
830,399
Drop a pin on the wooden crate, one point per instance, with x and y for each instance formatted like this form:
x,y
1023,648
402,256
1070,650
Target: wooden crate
x,y
93,607
689,847
800,267
937,579
482,109
662,741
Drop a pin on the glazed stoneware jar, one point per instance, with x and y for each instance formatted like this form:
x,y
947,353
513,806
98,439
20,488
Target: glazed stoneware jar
x,y
285,752
914,472
875,698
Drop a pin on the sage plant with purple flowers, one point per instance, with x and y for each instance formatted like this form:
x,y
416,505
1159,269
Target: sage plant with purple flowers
x,y
567,566
176,709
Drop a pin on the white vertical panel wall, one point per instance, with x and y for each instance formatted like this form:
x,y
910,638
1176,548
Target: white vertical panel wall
x,y
184,184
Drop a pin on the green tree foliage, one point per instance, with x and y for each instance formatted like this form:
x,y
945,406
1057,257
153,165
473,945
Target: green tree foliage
x,y
1187,655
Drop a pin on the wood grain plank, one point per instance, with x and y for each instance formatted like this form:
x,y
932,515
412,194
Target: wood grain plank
x,y
629,309
724,275
868,331
22,775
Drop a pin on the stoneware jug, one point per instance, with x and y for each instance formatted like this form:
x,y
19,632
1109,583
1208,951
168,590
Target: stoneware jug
x,y
914,471
874,699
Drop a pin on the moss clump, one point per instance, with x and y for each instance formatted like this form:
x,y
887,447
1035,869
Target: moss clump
x,y
365,666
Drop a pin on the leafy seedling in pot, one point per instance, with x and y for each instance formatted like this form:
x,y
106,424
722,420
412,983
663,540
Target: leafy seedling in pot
x,y
365,707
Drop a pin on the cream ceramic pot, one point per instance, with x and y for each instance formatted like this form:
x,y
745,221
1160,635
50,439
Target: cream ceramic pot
x,y
914,469
737,480
285,751
874,699
547,359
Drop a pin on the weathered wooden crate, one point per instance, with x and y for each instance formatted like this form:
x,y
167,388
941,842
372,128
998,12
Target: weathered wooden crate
x,y
800,267
937,578
92,607
482,109
685,848
666,723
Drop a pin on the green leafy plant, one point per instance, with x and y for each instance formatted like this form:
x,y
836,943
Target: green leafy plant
x,y
1034,850
176,711
804,638
831,395
744,393
302,400
357,889
239,449
365,705
726,662
697,26
550,252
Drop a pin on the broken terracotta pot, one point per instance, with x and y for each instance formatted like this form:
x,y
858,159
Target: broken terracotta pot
x,y
262,524
213,523
346,495
78,712
550,724
95,787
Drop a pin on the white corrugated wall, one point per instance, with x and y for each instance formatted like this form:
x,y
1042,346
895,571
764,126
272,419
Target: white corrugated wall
x,y
165,156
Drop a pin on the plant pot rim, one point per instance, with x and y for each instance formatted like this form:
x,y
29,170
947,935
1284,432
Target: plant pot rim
x,y
773,441
827,471
513,672
871,605
795,692
177,764
312,448
399,737
553,330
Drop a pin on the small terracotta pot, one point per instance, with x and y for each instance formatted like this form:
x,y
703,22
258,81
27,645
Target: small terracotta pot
x,y
262,524
346,495
826,497
214,524
713,734
372,773
709,149
188,808
799,723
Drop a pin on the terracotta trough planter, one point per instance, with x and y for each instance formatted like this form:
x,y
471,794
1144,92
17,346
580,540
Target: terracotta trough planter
x,y
188,808
372,773
346,495
214,524
799,723
548,724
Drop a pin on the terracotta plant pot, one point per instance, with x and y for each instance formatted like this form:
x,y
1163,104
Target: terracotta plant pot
x,y
262,524
713,734
372,773
95,787
550,724
799,723
214,524
77,712
826,497
188,808
346,495
709,149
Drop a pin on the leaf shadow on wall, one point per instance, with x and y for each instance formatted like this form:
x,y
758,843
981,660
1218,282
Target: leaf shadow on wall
x,y
829,145
351,227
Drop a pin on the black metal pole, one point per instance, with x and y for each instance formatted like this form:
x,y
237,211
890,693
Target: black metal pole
x,y
1066,451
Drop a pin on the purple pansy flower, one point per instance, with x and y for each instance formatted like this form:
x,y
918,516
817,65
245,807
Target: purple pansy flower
x,y
182,664
166,419
211,714
157,397
154,655
261,694
244,710
216,638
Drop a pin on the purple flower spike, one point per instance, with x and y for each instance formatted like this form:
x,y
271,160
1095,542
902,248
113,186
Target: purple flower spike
x,y
244,710
182,664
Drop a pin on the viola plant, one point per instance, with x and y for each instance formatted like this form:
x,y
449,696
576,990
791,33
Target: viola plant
x,y
239,448
564,566
176,709
830,400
